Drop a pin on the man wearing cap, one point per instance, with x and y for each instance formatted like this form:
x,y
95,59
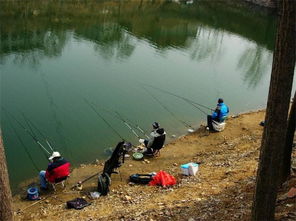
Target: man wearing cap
x,y
156,142
58,170
219,115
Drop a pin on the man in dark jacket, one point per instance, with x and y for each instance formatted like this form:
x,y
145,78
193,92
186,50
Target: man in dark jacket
x,y
156,142
58,170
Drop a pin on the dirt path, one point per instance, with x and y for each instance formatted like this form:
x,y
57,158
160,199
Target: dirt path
x,y
222,190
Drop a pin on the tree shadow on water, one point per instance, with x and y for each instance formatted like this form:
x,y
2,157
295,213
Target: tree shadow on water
x,y
254,63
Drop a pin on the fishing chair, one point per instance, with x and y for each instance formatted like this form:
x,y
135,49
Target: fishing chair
x,y
61,181
154,153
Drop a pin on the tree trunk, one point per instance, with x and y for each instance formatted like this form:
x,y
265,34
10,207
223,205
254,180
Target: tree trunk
x,y
286,165
274,135
5,193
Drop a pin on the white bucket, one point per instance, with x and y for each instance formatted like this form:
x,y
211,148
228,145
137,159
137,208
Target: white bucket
x,y
218,126
189,169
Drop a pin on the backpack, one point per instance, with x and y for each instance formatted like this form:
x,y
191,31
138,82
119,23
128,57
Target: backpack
x,y
141,178
104,181
78,203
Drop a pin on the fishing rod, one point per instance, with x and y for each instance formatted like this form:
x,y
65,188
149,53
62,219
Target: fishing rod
x,y
128,126
25,148
127,122
26,130
193,103
135,126
93,108
30,123
155,98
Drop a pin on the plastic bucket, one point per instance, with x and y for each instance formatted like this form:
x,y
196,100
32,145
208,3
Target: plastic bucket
x,y
189,169
33,193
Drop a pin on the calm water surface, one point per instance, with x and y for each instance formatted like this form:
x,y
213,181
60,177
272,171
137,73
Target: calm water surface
x,y
53,56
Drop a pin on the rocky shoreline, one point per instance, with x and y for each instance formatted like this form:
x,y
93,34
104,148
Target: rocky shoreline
x,y
222,189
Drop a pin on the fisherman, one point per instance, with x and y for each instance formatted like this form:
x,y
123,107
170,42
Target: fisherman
x,y
156,142
58,170
219,115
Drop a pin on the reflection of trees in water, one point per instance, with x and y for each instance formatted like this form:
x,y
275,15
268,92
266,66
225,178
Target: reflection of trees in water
x,y
32,46
254,62
162,24
207,43
110,39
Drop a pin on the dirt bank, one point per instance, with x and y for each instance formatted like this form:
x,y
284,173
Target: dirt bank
x,y
222,190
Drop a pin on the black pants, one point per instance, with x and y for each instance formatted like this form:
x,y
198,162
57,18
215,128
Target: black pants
x,y
210,121
149,150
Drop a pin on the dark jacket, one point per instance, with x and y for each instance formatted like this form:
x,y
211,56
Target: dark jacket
x,y
157,139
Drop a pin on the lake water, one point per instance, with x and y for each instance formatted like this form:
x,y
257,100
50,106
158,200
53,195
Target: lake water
x,y
54,55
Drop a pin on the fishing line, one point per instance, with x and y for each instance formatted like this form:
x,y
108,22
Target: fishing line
x,y
181,97
155,98
25,148
134,125
126,122
30,123
92,107
25,129
29,126
128,126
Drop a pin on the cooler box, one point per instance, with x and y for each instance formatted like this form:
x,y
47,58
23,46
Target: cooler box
x,y
189,169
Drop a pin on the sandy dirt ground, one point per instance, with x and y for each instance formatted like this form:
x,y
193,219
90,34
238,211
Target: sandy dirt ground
x,y
222,189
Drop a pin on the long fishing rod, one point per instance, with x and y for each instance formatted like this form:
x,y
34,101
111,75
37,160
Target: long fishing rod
x,y
127,123
156,99
26,130
193,103
30,125
25,148
93,108
135,126
128,126
10,116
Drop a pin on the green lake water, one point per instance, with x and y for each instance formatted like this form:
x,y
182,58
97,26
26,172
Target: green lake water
x,y
56,54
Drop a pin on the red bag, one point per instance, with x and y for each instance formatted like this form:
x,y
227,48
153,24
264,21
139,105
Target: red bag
x,y
162,178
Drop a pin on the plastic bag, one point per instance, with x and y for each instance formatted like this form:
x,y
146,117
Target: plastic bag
x,y
162,178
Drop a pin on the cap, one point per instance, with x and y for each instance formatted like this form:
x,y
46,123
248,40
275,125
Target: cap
x,y
54,155
220,100
155,125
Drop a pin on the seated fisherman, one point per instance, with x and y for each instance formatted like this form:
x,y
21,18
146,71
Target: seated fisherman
x,y
156,142
219,115
58,170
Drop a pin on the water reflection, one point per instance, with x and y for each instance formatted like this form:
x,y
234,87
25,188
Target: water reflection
x,y
111,40
32,46
206,44
254,61
161,23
